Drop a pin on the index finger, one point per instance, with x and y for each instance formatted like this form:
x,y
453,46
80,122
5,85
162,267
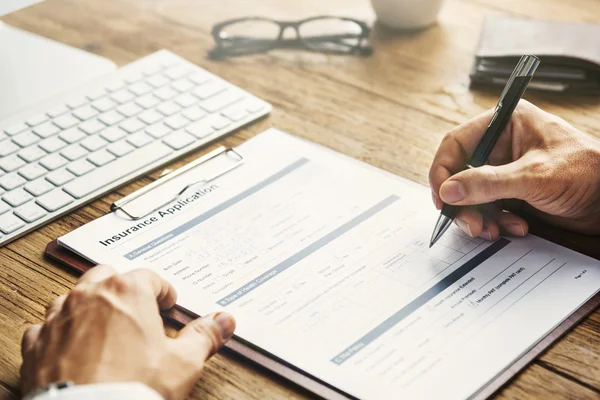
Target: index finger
x,y
165,293
454,151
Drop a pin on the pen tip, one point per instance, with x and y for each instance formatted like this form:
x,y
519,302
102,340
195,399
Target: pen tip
x,y
430,244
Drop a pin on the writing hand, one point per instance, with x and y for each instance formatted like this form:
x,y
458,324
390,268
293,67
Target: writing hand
x,y
541,160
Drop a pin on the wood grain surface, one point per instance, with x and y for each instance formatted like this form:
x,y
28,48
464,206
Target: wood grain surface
x,y
390,110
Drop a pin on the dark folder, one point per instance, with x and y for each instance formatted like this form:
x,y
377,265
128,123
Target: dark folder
x,y
569,53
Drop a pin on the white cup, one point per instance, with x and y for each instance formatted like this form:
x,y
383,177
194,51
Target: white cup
x,y
407,14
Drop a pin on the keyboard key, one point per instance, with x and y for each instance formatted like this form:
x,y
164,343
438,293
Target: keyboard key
x,y
140,88
152,70
194,113
199,78
39,187
114,86
4,207
139,139
113,134
46,130
100,158
185,100
92,126
147,101
8,147
178,71
133,78
130,109
94,143
30,212
150,117
32,154
168,108
221,100
122,96
12,181
17,197
119,149
66,121
10,223
96,93
53,144
201,129
13,130
116,170
74,152
53,161
132,125
37,119
158,130
178,140
26,139
32,171
54,200
255,106
111,118
80,167
168,60
57,111
235,113
76,102
182,85
165,93
72,135
60,177
208,90
86,112
176,122
157,81
104,104
11,163
219,122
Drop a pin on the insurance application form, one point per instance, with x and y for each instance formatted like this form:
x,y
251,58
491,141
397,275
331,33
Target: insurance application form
x,y
324,262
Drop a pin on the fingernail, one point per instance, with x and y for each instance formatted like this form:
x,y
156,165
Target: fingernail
x,y
226,324
452,192
486,234
464,226
516,229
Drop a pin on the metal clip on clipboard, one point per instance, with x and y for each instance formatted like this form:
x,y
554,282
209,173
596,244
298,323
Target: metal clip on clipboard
x,y
167,177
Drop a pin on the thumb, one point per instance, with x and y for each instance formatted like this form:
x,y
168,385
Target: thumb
x,y
486,184
204,336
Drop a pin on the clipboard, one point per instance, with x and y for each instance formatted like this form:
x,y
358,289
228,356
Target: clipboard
x,y
178,317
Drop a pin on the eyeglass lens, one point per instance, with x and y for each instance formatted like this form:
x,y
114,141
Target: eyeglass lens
x,y
256,33
330,34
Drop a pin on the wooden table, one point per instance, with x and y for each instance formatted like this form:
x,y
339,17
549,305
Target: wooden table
x,y
390,110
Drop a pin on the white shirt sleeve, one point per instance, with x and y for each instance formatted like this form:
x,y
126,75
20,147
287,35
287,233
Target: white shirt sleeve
x,y
103,391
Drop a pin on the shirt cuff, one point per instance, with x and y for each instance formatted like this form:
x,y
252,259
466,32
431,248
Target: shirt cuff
x,y
103,391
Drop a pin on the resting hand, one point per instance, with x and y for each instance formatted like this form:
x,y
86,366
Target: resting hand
x,y
553,168
108,329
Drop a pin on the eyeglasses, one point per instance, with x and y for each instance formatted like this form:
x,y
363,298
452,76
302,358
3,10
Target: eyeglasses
x,y
324,34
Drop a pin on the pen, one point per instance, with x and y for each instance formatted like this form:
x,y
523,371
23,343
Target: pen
x,y
512,93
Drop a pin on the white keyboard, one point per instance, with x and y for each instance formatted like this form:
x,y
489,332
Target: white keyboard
x,y
77,147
